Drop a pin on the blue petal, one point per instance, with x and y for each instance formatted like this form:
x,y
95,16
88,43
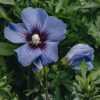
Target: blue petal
x,y
55,28
75,62
15,33
79,52
12,27
38,63
27,55
50,53
33,17
76,67
90,66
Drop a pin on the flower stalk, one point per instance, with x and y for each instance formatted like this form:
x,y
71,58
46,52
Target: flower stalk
x,y
46,83
28,82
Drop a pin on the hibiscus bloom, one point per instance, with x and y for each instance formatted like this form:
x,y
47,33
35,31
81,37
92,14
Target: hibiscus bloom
x,y
78,53
40,35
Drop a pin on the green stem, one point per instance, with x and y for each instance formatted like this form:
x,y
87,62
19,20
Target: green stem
x,y
46,86
28,82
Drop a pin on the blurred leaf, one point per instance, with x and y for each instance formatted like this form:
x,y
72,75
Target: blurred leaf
x,y
3,81
7,49
95,76
83,68
91,5
11,2
81,82
98,22
76,98
95,33
59,5
3,14
13,97
57,94
40,97
96,97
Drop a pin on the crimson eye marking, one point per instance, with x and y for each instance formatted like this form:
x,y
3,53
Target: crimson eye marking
x,y
37,39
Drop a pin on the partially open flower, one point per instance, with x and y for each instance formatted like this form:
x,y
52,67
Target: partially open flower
x,y
40,33
78,53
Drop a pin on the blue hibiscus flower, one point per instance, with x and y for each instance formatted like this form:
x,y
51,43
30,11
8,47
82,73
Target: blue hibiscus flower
x,y
40,34
79,52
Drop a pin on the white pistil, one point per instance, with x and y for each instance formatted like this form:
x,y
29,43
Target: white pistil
x,y
36,39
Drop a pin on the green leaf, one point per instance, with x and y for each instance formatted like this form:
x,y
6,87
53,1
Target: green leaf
x,y
11,2
57,94
97,97
96,61
83,69
95,33
81,81
59,6
3,81
3,14
76,98
91,5
95,76
7,49
40,97
98,22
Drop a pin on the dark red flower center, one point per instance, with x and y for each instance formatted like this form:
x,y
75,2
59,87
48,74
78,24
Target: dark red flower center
x,y
36,38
